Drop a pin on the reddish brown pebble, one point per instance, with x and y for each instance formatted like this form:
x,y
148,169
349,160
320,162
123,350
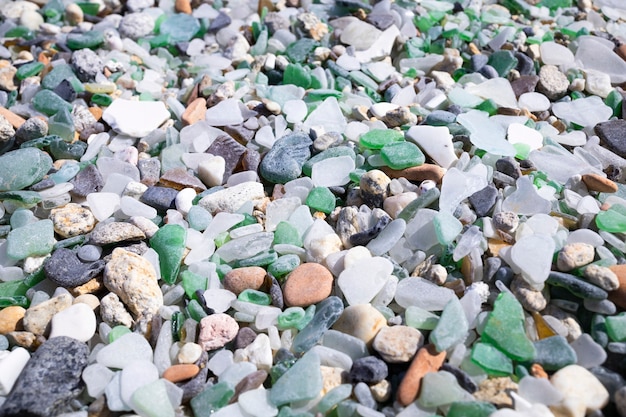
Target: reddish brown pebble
x,y
427,360
195,111
11,319
619,295
308,284
15,120
183,6
621,51
181,372
595,182
419,173
249,277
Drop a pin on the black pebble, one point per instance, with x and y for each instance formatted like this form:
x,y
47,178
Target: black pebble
x,y
66,270
369,369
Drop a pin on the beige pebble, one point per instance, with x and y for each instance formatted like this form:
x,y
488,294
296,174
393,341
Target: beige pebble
x,y
72,220
133,279
189,353
11,319
89,299
601,276
195,111
582,392
308,284
496,391
381,391
37,318
216,330
396,203
109,233
331,378
113,312
181,372
618,296
239,279
361,321
74,14
397,344
24,339
575,255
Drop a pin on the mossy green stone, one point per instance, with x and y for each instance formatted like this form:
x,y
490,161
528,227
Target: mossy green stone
x,y
286,233
262,259
491,360
28,70
471,409
321,199
169,243
23,167
91,40
26,198
49,102
503,62
211,399
193,282
401,155
283,265
554,353
297,75
33,239
58,74
117,332
195,310
505,330
377,138
616,327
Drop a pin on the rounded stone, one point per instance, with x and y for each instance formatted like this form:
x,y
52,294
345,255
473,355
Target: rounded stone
x,y
598,183
575,255
216,330
181,372
77,321
361,321
308,284
65,269
72,220
189,353
369,369
397,344
115,232
87,64
136,25
11,319
374,186
246,278
529,298
582,391
507,221
602,276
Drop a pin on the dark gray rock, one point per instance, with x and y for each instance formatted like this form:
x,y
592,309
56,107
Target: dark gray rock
x,y
66,270
50,380
149,171
244,337
87,181
613,135
32,128
483,200
509,166
65,90
161,198
369,369
284,161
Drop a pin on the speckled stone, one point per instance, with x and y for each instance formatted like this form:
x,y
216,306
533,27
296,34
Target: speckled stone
x,y
575,255
134,280
374,187
284,161
216,330
72,220
65,269
50,380
115,232
87,181
37,318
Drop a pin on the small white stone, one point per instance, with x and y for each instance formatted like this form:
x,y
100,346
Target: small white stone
x,y
598,83
184,200
103,205
436,141
533,102
232,198
332,172
135,118
361,282
582,391
259,353
132,207
77,321
553,53
189,353
295,110
127,349
211,171
97,377
11,366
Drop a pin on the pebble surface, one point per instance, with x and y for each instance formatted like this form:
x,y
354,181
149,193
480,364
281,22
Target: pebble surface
x,y
379,208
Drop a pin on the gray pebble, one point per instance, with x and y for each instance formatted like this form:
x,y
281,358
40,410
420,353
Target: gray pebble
x,y
89,253
33,128
4,342
50,380
87,64
364,395
66,270
620,401
136,25
369,369
87,181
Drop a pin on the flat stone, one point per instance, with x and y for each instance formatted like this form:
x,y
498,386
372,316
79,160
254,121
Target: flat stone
x,y
361,321
65,269
181,372
37,318
598,183
179,178
72,220
134,280
232,198
216,330
284,161
124,351
115,232
611,134
161,198
23,167
420,173
575,255
135,118
308,284
230,150
195,111
77,322
240,279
